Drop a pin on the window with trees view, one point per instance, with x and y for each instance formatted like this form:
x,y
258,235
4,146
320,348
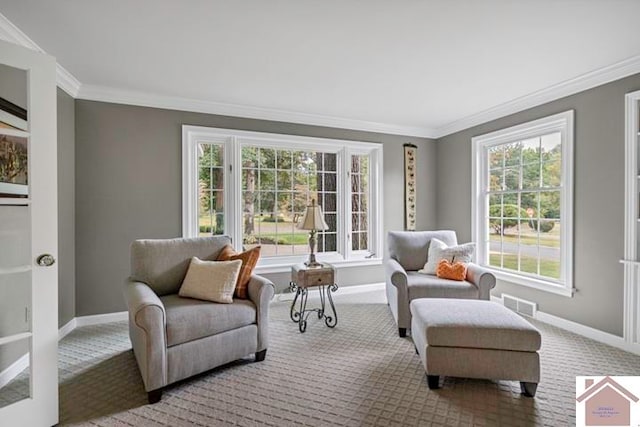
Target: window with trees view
x,y
523,202
261,200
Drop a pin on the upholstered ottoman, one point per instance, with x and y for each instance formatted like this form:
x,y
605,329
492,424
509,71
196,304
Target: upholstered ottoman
x,y
475,339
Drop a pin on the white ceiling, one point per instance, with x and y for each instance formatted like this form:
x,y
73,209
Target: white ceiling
x,y
414,64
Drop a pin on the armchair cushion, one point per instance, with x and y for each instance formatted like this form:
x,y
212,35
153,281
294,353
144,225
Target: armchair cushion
x,y
427,286
163,263
454,271
211,280
249,261
190,319
410,248
439,250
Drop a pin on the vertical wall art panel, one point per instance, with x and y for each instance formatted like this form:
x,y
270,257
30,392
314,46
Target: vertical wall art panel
x,y
410,194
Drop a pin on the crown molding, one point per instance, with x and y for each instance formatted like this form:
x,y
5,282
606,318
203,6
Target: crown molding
x,y
64,79
67,82
119,96
581,83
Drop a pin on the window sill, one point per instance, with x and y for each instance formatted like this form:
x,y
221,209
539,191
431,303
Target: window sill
x,y
530,282
285,267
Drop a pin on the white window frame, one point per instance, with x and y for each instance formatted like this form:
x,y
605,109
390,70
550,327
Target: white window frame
x,y
563,123
233,141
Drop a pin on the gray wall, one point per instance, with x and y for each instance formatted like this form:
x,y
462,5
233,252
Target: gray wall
x,y
66,209
598,201
128,186
13,85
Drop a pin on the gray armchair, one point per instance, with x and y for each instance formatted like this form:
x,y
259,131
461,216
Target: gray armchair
x,y
173,337
408,252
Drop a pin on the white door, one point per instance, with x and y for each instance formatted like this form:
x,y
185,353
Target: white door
x,y
28,238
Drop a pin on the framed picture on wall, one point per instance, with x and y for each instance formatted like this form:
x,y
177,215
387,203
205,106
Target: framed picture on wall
x,y
410,182
14,146
12,116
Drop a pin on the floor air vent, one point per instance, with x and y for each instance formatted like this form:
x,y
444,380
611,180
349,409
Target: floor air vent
x,y
518,305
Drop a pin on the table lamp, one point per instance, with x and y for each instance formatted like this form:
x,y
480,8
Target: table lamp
x,y
313,221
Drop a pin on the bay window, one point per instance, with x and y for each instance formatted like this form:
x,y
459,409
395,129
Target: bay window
x,y
255,187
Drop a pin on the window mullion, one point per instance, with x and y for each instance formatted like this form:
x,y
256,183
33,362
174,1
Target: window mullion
x,y
345,209
233,209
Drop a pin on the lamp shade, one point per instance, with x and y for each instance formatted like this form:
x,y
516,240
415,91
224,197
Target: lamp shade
x,y
313,218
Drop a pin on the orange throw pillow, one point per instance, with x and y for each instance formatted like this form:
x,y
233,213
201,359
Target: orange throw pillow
x,y
455,271
249,260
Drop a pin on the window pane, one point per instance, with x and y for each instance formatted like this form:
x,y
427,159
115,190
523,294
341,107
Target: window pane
x,y
301,179
266,179
512,154
281,198
210,189
496,177
284,179
550,144
355,241
330,160
551,171
531,176
284,159
550,204
217,179
359,204
528,205
330,181
329,202
285,208
531,151
496,157
267,158
511,179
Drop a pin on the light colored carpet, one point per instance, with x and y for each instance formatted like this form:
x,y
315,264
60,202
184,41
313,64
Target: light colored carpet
x,y
360,373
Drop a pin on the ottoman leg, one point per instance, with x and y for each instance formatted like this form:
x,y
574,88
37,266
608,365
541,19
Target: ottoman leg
x,y
402,332
528,389
433,381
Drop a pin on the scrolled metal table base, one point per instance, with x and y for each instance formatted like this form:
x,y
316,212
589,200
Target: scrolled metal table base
x,y
301,315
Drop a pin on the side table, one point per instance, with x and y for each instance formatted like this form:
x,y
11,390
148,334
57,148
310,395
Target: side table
x,y
303,278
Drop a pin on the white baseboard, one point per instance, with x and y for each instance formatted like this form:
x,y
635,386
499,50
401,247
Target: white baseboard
x,y
585,331
14,370
98,319
359,289
347,290
67,328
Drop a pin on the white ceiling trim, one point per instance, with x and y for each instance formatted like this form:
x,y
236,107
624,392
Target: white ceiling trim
x,y
64,79
119,96
67,82
578,84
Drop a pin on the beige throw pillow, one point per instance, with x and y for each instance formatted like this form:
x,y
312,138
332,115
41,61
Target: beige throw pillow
x,y
211,280
438,250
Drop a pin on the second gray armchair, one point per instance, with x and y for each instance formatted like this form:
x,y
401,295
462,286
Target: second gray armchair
x,y
408,251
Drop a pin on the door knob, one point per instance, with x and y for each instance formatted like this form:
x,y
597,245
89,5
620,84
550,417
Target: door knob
x,y
45,260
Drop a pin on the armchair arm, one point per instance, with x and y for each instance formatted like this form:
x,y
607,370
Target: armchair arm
x,y
482,278
147,331
396,276
261,291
